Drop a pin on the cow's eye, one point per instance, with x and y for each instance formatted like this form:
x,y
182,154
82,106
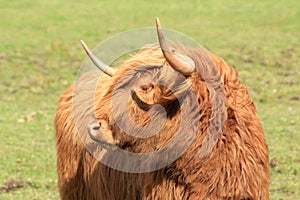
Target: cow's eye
x,y
146,87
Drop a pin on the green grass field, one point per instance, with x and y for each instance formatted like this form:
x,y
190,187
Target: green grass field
x,y
40,54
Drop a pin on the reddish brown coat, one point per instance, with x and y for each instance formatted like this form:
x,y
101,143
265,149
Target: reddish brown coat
x,y
237,167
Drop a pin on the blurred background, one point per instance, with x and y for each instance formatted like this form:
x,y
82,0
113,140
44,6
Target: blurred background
x,y
40,54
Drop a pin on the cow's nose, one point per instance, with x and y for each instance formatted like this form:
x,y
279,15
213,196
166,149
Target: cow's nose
x,y
92,129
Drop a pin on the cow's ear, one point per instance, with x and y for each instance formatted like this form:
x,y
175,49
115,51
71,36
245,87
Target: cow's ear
x,y
165,96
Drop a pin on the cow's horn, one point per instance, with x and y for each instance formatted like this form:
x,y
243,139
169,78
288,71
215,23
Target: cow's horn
x,y
182,63
103,67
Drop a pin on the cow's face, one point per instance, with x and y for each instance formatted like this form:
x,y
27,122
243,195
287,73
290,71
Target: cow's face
x,y
132,96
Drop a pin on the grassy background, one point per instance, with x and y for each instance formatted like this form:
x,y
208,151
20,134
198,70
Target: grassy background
x,y
40,54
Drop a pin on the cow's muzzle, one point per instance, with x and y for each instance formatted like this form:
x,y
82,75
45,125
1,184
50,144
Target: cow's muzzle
x,y
100,135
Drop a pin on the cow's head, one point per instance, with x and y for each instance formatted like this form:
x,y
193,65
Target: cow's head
x,y
145,94
153,84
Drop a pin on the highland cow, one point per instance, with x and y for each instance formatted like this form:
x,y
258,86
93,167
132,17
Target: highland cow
x,y
198,112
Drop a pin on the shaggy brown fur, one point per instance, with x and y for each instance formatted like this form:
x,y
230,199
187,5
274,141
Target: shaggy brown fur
x,y
236,167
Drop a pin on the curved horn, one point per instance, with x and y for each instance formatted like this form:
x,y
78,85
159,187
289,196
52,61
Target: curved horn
x,y
185,67
103,67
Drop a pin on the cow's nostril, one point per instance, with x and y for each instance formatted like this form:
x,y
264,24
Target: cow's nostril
x,y
96,128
